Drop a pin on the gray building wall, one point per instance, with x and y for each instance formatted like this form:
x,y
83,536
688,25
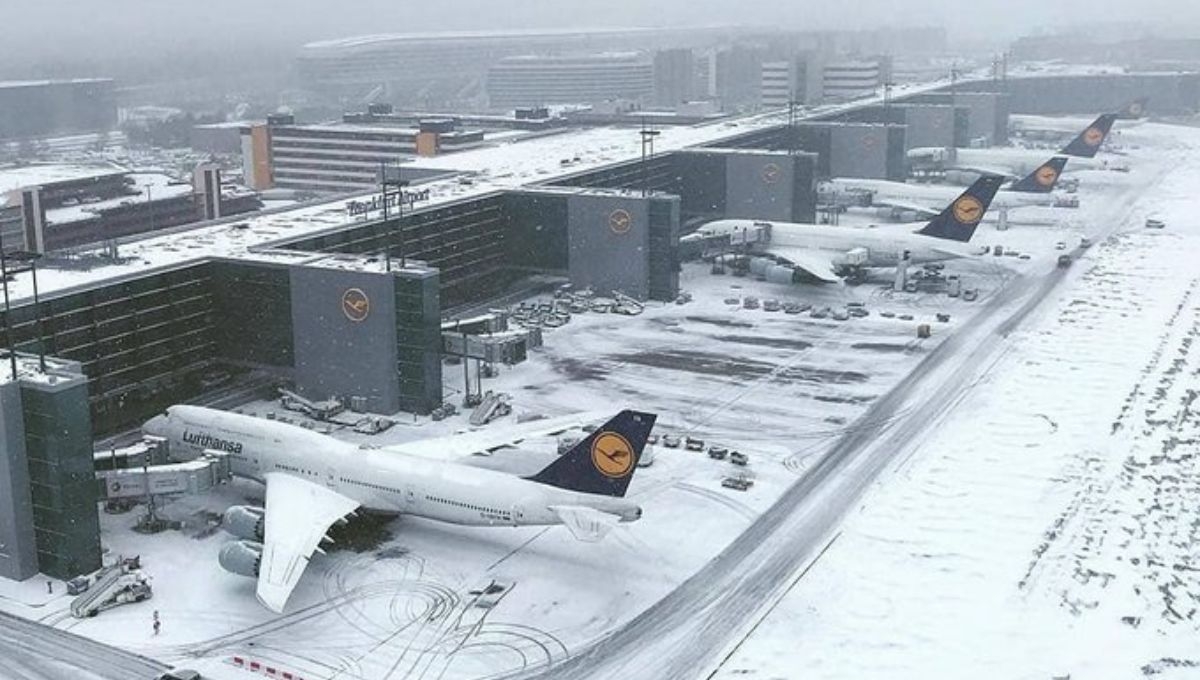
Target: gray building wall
x,y
874,151
608,239
338,356
928,125
987,116
18,546
759,186
62,474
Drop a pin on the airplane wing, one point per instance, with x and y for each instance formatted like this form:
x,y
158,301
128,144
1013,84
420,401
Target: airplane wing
x,y
585,524
814,262
487,440
299,512
921,210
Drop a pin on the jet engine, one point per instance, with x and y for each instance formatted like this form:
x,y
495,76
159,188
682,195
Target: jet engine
x,y
778,273
241,557
245,521
760,265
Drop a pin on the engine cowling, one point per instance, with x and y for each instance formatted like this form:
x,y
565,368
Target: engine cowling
x,y
241,557
760,265
780,274
245,521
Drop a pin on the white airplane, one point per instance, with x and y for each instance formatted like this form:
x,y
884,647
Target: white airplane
x,y
1054,127
1017,162
829,253
313,481
924,200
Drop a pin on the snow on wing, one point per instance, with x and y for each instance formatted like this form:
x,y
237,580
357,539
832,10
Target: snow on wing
x,y
814,262
484,441
299,513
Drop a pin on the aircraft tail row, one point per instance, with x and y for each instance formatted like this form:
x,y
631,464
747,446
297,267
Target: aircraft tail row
x,y
959,220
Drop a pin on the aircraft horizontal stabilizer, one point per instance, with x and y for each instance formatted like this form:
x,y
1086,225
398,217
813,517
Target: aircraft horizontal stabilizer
x,y
586,524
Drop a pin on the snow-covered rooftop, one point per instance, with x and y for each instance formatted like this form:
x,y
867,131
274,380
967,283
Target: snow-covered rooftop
x,y
19,177
148,185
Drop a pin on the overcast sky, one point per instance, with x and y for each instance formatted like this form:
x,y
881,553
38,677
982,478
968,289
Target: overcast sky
x,y
37,30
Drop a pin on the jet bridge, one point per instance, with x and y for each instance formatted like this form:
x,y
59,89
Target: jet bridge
x,y
193,477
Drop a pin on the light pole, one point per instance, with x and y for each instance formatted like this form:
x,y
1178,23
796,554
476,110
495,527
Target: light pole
x,y
384,183
8,336
647,142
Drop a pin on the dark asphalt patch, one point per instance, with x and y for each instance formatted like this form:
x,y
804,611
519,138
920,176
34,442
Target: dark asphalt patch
x,y
882,346
577,369
724,323
704,363
760,341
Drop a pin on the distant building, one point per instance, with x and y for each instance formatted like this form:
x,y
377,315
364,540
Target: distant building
x,y
525,81
340,156
31,110
797,79
738,76
849,79
674,77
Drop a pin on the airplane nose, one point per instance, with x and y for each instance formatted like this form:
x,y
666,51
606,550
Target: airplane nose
x,y
156,426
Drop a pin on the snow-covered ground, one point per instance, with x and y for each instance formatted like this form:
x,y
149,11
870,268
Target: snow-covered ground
x,y
1047,527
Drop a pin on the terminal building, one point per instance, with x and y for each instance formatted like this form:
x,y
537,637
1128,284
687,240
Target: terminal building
x,y
342,156
849,79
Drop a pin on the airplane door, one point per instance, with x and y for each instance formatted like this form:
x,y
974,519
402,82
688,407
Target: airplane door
x,y
331,479
518,514
410,497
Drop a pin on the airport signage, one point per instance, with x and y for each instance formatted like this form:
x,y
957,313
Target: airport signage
x,y
620,221
771,173
356,208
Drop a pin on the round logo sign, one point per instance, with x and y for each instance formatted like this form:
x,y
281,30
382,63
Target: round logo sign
x,y
771,173
612,455
869,141
1093,136
1136,108
968,210
355,305
620,221
1046,175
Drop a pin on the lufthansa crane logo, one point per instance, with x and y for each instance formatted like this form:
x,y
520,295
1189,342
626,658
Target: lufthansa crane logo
x,y
1093,136
1046,176
356,305
612,455
1136,108
771,173
620,221
869,141
968,210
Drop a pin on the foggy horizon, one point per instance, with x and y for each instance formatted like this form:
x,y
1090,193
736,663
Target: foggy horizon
x,y
39,42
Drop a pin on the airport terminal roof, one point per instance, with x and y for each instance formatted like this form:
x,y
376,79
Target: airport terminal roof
x,y
492,169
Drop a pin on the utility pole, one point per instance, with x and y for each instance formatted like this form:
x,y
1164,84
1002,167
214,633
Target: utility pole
x,y
31,258
8,335
384,183
647,143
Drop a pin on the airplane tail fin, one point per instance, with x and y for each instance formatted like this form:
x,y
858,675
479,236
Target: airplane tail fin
x,y
1043,179
958,221
1088,142
604,462
1134,109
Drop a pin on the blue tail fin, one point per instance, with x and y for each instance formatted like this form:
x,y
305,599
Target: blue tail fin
x,y
1088,142
1042,180
1134,109
604,462
958,221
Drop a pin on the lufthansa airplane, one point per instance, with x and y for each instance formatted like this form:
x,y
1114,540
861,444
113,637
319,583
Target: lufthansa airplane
x,y
925,200
1017,162
313,481
828,253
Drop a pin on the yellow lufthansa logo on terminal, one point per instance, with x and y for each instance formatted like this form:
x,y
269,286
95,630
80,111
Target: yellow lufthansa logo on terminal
x,y
1046,176
356,305
1136,108
612,455
968,210
771,173
620,221
1093,136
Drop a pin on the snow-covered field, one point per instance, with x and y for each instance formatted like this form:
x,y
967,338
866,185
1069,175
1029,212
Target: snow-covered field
x,y
1047,527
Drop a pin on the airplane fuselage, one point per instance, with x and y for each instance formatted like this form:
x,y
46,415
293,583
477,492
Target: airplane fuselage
x,y
377,479
1015,161
884,245
935,195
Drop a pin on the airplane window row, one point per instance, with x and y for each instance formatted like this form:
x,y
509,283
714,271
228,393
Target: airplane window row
x,y
292,468
468,506
378,487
